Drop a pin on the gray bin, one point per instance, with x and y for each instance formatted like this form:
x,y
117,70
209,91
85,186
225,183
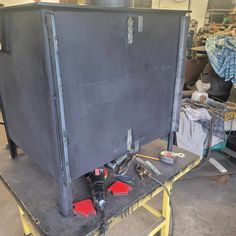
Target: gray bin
x,y
75,79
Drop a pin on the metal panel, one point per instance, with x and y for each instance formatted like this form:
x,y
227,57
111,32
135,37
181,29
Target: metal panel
x,y
110,86
25,91
79,78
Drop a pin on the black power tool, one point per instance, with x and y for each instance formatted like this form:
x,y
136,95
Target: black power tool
x,y
98,191
97,184
97,180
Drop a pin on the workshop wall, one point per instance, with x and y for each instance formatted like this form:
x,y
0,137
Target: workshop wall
x,y
198,7
170,4
18,2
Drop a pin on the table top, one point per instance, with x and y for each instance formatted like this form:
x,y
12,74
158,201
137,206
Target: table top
x,y
36,192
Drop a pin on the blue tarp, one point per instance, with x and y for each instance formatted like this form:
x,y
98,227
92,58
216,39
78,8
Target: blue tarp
x,y
221,51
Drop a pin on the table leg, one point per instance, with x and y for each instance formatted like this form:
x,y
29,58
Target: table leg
x,y
12,145
170,142
25,225
166,211
65,198
28,228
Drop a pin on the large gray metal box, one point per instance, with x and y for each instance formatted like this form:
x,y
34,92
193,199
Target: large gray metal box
x,y
73,80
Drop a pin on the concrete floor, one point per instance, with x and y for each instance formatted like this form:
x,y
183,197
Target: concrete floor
x,y
201,208
10,224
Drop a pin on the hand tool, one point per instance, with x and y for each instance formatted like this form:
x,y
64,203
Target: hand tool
x,y
97,185
142,171
147,157
113,164
149,165
124,178
123,169
97,182
153,168
140,160
98,191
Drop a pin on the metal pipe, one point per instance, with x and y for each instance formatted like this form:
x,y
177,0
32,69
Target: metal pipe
x,y
64,178
183,42
65,198
170,142
11,144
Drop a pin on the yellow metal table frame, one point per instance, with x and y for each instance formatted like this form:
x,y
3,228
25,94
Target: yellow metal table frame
x,y
164,214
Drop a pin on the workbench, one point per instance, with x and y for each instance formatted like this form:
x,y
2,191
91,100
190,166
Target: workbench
x,y
35,193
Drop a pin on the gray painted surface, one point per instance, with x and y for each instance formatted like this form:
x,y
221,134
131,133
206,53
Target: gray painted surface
x,y
25,90
108,85
201,207
40,203
111,3
111,87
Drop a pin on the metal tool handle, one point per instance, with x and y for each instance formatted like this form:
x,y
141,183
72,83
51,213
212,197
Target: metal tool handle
x,y
153,168
120,160
149,165
125,178
113,164
123,169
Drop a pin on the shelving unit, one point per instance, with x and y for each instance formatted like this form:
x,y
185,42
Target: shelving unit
x,y
213,12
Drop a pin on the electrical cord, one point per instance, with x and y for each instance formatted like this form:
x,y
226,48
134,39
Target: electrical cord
x,y
170,202
232,120
231,129
207,156
102,225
